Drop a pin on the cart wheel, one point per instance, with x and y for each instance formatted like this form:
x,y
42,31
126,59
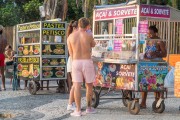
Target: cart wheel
x,y
38,85
160,109
127,95
32,87
134,110
95,99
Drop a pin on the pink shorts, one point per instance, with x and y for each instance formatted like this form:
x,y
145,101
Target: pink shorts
x,y
2,58
83,70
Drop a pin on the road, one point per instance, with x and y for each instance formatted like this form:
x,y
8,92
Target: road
x,y
48,105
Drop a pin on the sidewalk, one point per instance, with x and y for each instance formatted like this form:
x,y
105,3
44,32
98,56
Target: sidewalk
x,y
48,105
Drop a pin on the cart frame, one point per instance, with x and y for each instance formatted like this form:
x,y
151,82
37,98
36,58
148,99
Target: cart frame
x,y
107,12
46,28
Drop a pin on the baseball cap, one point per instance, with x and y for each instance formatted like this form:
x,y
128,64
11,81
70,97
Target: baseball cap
x,y
1,27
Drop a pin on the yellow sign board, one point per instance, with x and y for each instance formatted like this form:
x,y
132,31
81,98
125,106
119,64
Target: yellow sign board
x,y
30,26
54,32
54,25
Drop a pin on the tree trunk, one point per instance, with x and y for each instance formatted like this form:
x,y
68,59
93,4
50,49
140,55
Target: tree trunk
x,y
56,9
174,3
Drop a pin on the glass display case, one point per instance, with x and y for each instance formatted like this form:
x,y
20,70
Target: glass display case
x,y
42,50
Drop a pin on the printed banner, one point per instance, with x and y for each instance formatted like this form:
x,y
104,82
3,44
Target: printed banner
x,y
121,76
155,11
115,13
54,25
29,26
145,10
151,76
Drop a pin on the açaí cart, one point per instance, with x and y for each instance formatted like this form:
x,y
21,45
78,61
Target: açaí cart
x,y
120,33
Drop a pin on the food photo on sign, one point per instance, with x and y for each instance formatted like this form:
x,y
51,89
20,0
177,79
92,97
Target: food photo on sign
x,y
109,74
151,76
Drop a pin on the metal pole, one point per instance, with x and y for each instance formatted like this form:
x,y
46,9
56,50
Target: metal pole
x,y
86,8
148,2
104,25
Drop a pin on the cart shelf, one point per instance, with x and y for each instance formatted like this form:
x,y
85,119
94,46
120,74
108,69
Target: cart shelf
x,y
129,61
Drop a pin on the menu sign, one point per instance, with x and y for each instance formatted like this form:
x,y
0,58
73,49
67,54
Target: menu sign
x,y
119,26
143,27
151,75
117,45
54,61
58,49
120,75
28,68
28,50
29,34
53,72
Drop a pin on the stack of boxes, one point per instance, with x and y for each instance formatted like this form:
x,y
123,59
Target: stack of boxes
x,y
177,80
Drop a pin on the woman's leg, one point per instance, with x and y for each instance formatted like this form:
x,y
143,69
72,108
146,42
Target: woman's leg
x,y
71,96
69,81
71,90
144,97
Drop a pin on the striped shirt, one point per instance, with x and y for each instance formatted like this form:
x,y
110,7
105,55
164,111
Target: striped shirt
x,y
3,44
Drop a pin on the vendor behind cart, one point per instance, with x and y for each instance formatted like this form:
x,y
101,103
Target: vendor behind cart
x,y
155,50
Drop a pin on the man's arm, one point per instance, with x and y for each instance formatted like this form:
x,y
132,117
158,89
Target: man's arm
x,y
93,43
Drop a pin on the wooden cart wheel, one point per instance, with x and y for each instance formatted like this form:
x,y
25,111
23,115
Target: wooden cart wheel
x,y
160,109
32,87
95,99
38,85
127,97
134,110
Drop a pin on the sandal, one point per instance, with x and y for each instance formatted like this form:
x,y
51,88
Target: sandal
x,y
3,89
76,114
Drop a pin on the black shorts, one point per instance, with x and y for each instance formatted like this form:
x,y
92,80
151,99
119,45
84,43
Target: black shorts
x,y
9,63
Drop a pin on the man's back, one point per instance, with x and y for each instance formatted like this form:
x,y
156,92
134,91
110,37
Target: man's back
x,y
3,43
81,43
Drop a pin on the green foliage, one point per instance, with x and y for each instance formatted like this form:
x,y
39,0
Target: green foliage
x,y
74,12
8,14
31,10
13,12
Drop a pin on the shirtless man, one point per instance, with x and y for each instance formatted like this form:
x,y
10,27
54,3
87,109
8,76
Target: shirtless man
x,y
3,43
79,46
